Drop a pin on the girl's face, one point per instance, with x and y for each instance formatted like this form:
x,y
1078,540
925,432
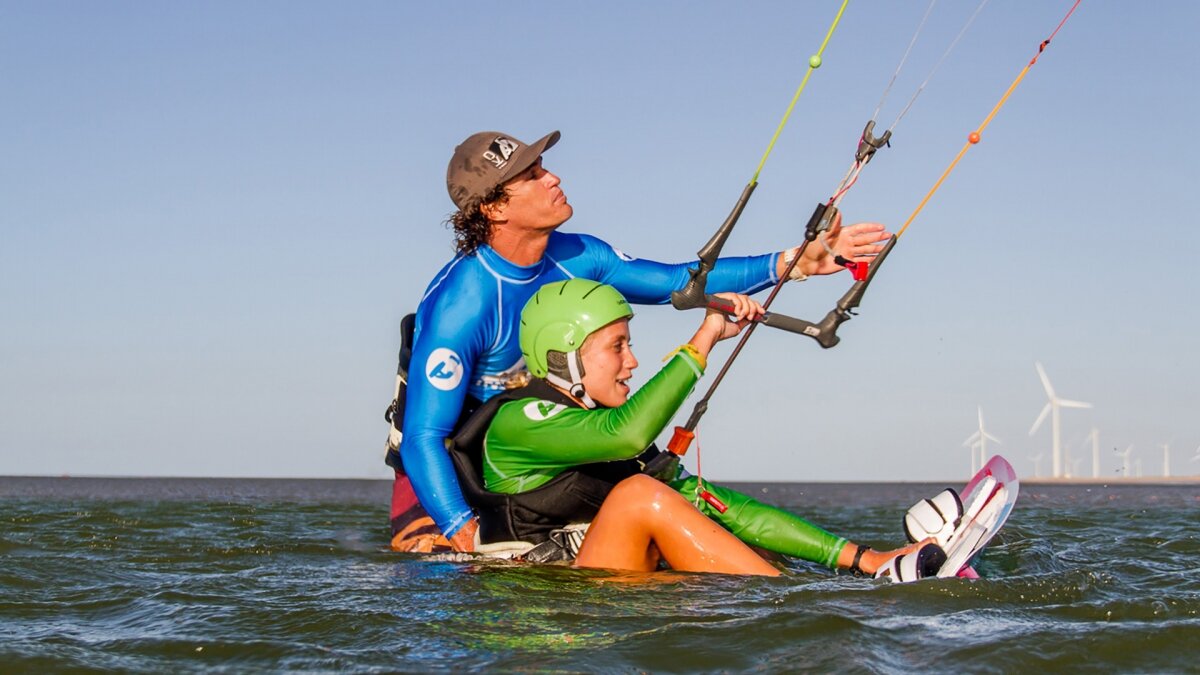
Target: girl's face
x,y
608,363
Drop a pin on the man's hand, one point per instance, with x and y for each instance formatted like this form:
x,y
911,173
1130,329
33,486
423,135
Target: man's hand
x,y
858,243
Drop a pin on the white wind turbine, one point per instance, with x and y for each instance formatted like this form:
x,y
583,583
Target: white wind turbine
x,y
1095,452
979,440
1070,464
1037,465
1052,408
1166,458
1196,457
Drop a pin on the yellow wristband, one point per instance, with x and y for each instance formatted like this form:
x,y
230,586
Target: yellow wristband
x,y
691,351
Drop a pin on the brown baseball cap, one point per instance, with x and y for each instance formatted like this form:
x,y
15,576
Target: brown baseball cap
x,y
487,159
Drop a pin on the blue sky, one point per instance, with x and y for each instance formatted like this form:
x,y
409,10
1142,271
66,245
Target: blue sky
x,y
215,214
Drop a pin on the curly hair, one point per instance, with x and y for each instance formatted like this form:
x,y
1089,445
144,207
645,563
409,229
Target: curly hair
x,y
471,227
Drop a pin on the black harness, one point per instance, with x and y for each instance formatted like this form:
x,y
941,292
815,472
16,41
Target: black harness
x,y
574,496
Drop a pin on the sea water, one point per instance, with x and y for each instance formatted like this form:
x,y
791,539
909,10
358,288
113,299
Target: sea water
x,y
174,575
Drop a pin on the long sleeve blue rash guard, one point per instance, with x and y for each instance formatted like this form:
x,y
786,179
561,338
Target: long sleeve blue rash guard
x,y
466,340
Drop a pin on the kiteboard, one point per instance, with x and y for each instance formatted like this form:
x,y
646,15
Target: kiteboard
x,y
987,501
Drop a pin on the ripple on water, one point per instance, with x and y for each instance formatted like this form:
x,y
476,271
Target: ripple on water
x,y
161,585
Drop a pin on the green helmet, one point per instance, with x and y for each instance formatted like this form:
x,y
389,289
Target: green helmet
x,y
562,314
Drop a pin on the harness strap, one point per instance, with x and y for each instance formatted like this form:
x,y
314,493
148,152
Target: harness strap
x,y
858,554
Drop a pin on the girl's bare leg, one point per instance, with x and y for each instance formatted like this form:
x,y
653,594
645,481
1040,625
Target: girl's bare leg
x,y
642,518
872,559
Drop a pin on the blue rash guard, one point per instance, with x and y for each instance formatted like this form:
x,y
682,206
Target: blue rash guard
x,y
466,340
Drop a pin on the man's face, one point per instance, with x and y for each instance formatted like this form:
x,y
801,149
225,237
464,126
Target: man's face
x,y
535,201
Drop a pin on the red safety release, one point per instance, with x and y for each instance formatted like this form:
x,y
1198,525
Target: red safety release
x,y
713,501
857,269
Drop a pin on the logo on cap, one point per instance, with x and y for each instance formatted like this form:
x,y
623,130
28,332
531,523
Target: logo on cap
x,y
501,149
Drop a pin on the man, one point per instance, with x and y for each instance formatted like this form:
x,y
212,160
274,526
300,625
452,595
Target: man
x,y
465,346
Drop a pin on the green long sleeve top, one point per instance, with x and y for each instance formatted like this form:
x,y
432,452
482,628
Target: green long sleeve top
x,y
530,441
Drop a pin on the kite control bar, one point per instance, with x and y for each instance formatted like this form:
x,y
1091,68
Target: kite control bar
x,y
692,296
824,331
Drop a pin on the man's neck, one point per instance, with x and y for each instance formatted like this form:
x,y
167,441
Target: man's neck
x,y
520,247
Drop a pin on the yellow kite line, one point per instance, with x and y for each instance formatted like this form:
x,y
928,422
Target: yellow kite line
x,y
814,62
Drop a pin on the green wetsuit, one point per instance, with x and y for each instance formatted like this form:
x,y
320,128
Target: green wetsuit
x,y
530,441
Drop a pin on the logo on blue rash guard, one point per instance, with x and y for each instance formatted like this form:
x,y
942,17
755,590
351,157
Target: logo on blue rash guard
x,y
622,254
444,369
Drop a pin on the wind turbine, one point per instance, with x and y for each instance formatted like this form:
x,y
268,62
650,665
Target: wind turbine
x,y
1196,457
1166,458
979,439
1037,464
1052,408
1095,452
1069,463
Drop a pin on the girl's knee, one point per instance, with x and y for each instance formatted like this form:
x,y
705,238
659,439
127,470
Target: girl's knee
x,y
652,496
638,486
640,493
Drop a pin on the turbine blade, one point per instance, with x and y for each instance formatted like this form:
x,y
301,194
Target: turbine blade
x,y
1041,417
971,439
992,438
1073,404
1045,380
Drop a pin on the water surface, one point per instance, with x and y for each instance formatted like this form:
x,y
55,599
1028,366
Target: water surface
x,y
183,575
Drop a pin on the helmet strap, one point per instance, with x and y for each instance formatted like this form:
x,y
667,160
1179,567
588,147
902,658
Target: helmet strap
x,y
571,381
